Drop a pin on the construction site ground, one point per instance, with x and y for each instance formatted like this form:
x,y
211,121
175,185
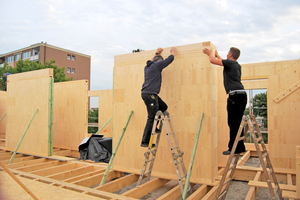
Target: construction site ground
x,y
10,190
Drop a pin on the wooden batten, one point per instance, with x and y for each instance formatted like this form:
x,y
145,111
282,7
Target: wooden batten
x,y
26,93
189,87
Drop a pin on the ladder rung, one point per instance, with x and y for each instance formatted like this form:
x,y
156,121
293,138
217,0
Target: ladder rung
x,y
242,138
229,179
276,188
230,168
148,172
224,192
183,176
259,139
149,160
265,155
270,172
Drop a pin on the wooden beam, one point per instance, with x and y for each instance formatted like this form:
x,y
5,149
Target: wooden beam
x,y
95,179
264,185
200,192
55,169
118,184
71,173
289,181
36,167
244,159
253,190
83,176
30,162
145,188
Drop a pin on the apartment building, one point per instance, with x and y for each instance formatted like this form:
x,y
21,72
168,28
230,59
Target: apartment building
x,y
77,65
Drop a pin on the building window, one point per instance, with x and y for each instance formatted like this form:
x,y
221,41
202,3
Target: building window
x,y
10,59
69,57
68,70
73,57
18,57
73,71
26,55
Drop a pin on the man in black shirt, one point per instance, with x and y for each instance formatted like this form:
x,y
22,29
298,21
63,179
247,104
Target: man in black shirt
x,y
151,89
237,96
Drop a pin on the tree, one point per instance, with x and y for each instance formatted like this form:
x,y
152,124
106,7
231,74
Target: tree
x,y
93,118
260,105
27,65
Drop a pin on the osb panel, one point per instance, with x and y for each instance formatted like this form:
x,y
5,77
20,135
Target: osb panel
x,y
3,104
189,87
70,113
283,117
27,92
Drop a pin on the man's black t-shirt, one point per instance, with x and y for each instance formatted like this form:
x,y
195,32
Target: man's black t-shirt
x,y
232,75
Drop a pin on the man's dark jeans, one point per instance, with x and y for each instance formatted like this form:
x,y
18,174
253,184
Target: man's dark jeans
x,y
235,108
154,103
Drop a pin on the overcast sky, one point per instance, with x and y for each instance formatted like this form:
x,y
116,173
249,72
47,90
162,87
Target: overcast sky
x,y
264,30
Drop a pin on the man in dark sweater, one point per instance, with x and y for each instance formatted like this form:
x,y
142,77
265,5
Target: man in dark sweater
x,y
237,96
151,89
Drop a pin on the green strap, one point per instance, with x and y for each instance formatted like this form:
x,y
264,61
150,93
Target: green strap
x,y
115,151
187,180
102,127
12,157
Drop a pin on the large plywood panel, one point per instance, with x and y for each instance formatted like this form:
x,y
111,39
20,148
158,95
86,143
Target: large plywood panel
x,y
189,88
3,104
27,92
70,113
283,116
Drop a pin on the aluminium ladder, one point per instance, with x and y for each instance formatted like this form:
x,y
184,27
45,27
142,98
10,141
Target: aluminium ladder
x,y
163,118
250,121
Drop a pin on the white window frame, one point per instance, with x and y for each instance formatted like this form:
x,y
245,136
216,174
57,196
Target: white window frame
x,y
73,71
18,57
69,57
26,55
10,59
68,69
73,57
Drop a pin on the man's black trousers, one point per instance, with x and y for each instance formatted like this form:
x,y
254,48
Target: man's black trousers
x,y
153,103
236,104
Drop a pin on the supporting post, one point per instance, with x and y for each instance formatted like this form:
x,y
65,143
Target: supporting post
x,y
102,127
115,151
12,157
18,181
187,180
3,116
50,123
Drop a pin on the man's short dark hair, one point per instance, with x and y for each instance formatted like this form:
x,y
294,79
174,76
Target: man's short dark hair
x,y
157,57
235,52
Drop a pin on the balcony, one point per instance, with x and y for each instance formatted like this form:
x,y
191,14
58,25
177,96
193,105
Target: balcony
x,y
35,57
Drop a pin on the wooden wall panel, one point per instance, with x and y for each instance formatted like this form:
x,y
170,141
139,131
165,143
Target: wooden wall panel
x,y
27,92
189,88
70,113
283,117
105,110
3,105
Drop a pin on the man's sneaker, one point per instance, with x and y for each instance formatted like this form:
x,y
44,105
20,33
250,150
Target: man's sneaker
x,y
146,145
226,153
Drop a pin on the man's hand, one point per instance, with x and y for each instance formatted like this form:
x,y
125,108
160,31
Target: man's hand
x,y
159,50
213,58
207,51
173,50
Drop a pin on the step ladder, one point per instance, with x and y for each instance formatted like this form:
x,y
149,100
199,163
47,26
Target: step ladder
x,y
165,120
249,122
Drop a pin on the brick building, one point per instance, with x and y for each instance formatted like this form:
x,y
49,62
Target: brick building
x,y
77,65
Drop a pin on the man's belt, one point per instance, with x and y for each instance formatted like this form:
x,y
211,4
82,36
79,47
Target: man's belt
x,y
233,92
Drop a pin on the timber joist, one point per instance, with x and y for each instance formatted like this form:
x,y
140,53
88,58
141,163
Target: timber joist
x,y
85,176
